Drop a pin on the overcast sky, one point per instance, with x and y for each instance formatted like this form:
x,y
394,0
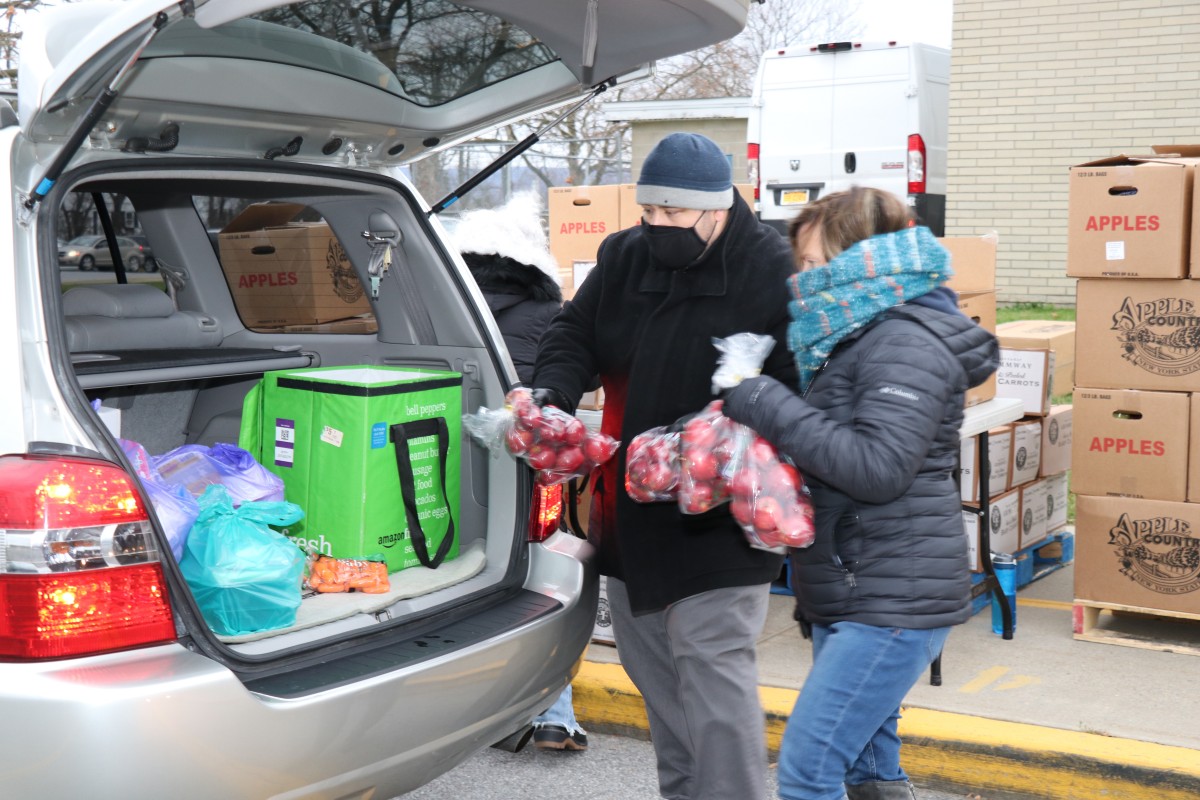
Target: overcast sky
x,y
927,21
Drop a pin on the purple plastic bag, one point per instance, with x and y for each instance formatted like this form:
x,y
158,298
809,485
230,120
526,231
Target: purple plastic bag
x,y
196,467
175,508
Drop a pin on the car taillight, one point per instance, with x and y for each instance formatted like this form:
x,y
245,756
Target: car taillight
x,y
752,167
916,164
79,567
545,516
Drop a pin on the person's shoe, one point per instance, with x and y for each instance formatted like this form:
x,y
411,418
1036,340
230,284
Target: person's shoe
x,y
557,737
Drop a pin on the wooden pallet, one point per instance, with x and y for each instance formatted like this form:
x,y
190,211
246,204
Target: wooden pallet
x,y
1130,626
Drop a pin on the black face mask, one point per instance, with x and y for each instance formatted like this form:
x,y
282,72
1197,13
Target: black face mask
x,y
674,248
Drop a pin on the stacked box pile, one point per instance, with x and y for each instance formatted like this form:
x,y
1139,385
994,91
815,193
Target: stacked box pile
x,y
1027,460
1133,244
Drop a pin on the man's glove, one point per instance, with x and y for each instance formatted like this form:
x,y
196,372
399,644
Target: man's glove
x,y
551,397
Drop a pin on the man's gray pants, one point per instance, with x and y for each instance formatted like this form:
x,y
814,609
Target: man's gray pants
x,y
695,666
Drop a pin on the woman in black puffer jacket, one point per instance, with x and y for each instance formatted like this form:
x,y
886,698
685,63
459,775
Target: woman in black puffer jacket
x,y
884,358
506,250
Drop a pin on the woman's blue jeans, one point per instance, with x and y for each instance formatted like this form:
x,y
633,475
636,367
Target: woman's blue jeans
x,y
843,728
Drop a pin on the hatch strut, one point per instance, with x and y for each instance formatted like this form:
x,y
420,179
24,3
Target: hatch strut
x,y
87,121
520,147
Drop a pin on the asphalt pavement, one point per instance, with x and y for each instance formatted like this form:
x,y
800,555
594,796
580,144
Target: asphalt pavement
x,y
612,768
1043,715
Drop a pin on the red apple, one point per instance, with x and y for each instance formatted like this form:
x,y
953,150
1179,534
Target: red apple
x,y
796,531
702,465
699,433
569,459
549,429
742,511
745,483
599,448
766,514
659,450
518,440
660,478
574,431
761,452
638,494
541,457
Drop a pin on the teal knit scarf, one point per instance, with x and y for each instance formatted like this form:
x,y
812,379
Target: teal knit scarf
x,y
860,283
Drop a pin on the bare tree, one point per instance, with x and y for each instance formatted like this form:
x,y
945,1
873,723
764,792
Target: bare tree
x,y
727,68
587,148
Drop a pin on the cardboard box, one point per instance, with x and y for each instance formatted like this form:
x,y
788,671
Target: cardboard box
x,y
1139,553
362,324
1138,335
1056,441
1130,217
981,307
592,401
1189,151
582,216
1041,334
1193,490
1028,376
1004,530
282,272
1026,457
580,219
1057,501
973,259
1033,514
602,629
999,448
330,434
1129,443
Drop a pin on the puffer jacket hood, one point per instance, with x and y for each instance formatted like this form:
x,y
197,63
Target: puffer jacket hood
x,y
522,298
975,348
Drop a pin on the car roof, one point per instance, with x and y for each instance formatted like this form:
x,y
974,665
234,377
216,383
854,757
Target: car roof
x,y
383,99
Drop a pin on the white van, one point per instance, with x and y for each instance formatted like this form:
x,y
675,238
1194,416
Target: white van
x,y
831,116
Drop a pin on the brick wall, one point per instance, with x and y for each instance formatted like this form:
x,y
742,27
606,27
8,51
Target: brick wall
x,y
1037,87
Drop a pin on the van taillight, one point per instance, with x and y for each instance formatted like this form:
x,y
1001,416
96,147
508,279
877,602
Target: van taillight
x,y
752,167
79,567
916,164
545,516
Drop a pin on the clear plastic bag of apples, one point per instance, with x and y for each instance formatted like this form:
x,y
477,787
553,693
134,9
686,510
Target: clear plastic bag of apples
x,y
707,459
557,445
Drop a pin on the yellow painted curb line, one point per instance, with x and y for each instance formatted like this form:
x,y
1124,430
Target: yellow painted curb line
x,y
957,750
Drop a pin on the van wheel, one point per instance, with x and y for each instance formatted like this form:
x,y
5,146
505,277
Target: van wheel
x,y
87,263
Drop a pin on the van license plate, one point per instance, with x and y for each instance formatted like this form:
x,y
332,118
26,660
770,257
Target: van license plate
x,y
795,197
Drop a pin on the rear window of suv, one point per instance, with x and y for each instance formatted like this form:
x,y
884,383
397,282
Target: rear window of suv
x,y
433,51
286,269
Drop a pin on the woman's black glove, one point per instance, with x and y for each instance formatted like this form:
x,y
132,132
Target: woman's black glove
x,y
738,402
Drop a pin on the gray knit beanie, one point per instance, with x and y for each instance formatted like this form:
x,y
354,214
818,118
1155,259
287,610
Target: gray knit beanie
x,y
686,170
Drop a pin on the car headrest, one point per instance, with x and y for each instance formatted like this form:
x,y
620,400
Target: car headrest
x,y
118,301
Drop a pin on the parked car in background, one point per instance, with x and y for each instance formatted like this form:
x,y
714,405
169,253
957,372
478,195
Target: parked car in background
x,y
286,131
92,252
148,262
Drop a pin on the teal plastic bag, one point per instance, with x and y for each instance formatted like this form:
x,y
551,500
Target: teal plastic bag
x,y
244,576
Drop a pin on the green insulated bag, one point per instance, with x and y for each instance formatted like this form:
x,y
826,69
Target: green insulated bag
x,y
372,454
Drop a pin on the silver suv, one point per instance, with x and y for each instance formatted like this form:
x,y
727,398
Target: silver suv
x,y
284,132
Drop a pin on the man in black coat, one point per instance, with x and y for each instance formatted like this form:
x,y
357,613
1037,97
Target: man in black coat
x,y
688,594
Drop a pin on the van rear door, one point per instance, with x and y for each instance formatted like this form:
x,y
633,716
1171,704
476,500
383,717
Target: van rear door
x,y
795,104
874,111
